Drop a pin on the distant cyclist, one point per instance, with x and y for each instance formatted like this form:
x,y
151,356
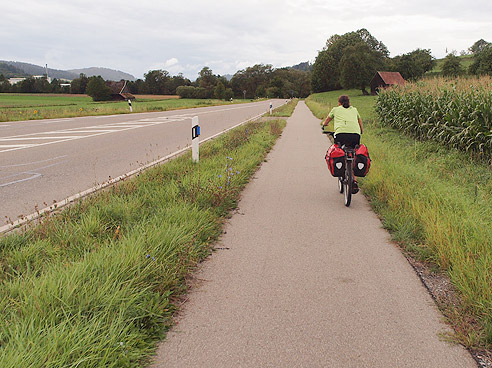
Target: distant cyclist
x,y
348,125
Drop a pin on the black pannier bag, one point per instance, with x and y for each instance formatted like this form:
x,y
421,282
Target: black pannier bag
x,y
362,161
335,159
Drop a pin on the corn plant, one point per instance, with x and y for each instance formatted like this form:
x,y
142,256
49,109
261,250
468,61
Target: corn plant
x,y
457,113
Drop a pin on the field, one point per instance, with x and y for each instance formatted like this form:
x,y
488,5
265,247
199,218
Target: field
x,y
96,285
437,203
457,113
16,107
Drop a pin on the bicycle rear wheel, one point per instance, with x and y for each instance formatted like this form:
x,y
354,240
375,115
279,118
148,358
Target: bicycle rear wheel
x,y
347,184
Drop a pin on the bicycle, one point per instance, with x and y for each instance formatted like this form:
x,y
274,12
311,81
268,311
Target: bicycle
x,y
346,182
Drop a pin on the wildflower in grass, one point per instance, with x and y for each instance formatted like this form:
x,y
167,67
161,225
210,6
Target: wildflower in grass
x,y
237,172
148,256
35,111
220,176
153,258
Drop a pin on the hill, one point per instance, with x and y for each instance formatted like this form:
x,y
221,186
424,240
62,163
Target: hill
x,y
107,74
31,69
21,69
10,71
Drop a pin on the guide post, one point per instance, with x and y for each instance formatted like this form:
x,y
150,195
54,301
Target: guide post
x,y
195,143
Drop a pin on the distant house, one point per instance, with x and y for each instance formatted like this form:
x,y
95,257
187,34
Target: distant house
x,y
385,80
13,81
119,90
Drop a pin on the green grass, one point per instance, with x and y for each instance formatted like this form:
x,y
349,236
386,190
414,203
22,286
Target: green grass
x,y
15,107
437,203
96,285
285,110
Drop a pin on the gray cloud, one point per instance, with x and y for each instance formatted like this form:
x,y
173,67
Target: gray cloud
x,y
225,35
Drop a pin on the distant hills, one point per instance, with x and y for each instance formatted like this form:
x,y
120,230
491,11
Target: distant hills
x,y
107,74
12,69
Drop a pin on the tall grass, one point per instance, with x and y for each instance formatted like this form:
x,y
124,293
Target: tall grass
x,y
453,112
285,110
95,285
437,203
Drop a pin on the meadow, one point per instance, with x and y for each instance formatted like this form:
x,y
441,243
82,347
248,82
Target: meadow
x,y
437,203
96,285
17,107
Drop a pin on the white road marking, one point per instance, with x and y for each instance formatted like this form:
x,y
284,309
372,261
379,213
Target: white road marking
x,y
34,162
34,173
34,138
12,146
92,131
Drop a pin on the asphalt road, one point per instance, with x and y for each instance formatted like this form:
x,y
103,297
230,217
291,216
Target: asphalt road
x,y
42,161
299,280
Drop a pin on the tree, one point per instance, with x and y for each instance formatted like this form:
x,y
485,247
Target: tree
x,y
250,79
4,84
98,90
158,82
452,66
413,65
79,85
482,62
219,91
479,46
358,65
326,69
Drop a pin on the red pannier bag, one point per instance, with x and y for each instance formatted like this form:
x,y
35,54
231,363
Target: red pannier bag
x,y
335,158
362,161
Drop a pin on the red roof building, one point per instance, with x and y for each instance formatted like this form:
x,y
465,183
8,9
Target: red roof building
x,y
385,80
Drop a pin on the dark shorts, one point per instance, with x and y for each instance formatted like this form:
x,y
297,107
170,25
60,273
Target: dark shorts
x,y
348,139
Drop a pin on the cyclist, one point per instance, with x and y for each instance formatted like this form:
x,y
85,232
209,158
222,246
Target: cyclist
x,y
348,126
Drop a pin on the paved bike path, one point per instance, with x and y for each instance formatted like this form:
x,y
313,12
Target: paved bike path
x,y
299,280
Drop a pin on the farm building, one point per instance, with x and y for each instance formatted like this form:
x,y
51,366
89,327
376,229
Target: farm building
x,y
385,80
119,90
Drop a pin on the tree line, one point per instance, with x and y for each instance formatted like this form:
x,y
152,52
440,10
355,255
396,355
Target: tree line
x,y
346,61
352,59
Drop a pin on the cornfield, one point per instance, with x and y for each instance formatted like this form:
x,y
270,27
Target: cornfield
x,y
456,113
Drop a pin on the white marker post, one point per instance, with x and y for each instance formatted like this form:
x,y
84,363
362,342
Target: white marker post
x,y
271,107
130,104
195,141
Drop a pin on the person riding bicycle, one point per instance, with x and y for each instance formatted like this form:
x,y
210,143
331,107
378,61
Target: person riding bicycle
x,y
348,125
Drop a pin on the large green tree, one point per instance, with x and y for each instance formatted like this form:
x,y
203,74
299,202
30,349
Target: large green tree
x,y
327,67
98,90
482,61
358,65
479,46
158,82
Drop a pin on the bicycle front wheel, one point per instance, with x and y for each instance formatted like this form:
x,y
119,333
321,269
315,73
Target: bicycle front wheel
x,y
340,184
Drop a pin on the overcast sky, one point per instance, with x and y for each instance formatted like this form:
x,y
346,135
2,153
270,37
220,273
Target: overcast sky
x,y
182,36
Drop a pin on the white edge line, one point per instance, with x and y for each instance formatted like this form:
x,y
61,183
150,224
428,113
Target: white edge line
x,y
27,219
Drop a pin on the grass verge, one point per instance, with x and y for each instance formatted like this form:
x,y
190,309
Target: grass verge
x,y
94,285
285,110
17,107
437,204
